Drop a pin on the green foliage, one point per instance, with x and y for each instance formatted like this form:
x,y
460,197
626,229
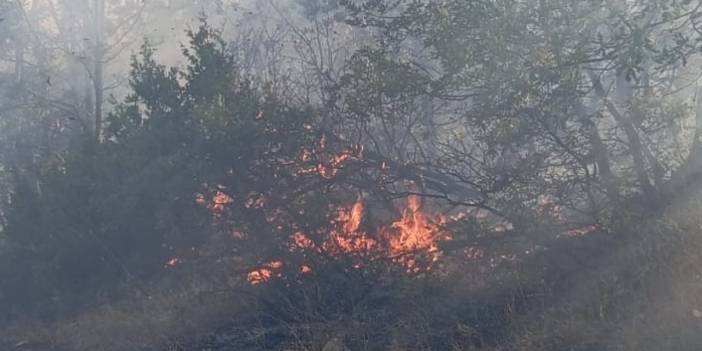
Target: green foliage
x,y
117,211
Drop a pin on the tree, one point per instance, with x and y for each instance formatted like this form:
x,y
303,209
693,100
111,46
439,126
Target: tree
x,y
574,103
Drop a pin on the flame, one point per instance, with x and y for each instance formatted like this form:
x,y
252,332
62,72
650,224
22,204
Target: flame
x,y
259,276
265,273
306,155
275,264
238,234
218,202
349,238
300,241
321,161
255,200
329,166
200,200
172,262
411,242
352,219
575,232
415,235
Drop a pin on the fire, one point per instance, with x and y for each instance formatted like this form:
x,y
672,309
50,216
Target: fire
x,y
300,241
259,276
200,200
354,217
238,234
265,273
414,235
328,168
575,232
218,202
255,200
349,238
410,242
325,163
172,262
275,264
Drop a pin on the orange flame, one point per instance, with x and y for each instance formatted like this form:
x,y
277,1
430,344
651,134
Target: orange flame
x,y
352,219
349,238
218,202
411,242
415,235
300,241
326,163
265,273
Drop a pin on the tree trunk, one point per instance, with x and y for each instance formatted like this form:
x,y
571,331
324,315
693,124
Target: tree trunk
x,y
98,84
636,147
690,172
600,154
19,61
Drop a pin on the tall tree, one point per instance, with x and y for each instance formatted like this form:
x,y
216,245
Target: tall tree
x,y
574,102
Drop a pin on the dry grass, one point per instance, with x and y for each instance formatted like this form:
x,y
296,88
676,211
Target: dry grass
x,y
646,295
159,320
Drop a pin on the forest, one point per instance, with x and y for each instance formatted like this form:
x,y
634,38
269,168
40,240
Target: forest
x,y
342,175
